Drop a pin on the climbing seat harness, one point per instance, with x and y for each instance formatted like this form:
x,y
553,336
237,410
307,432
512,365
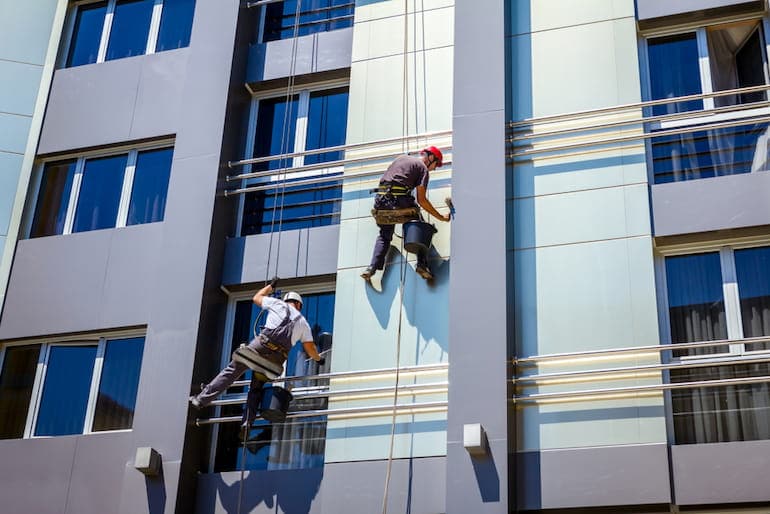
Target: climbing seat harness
x,y
395,216
271,351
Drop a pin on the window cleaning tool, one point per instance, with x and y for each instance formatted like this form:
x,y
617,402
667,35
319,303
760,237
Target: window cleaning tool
x,y
448,202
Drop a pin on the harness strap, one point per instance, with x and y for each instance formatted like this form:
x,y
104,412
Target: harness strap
x,y
391,189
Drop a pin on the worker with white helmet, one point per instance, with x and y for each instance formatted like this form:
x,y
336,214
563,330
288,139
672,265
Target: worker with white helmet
x,y
266,353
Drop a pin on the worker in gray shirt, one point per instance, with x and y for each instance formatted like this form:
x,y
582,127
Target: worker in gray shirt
x,y
394,193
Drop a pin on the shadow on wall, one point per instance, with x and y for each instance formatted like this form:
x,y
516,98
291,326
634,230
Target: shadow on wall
x,y
156,492
289,492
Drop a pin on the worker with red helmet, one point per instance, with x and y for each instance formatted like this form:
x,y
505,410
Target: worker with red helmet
x,y
405,175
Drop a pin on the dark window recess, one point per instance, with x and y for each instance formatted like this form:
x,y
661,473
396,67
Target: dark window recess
x,y
53,198
175,24
86,34
292,207
100,191
296,444
130,29
16,379
721,414
148,194
118,385
281,20
735,58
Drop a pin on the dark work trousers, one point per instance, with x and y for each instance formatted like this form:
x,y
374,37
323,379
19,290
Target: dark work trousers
x,y
226,377
386,231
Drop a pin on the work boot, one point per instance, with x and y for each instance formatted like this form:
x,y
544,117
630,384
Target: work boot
x,y
195,402
368,273
424,272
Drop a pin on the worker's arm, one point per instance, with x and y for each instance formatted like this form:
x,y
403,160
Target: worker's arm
x,y
262,294
422,199
312,350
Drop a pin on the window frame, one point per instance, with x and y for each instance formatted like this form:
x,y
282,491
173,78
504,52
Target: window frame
x,y
69,30
316,287
72,202
263,21
300,138
100,342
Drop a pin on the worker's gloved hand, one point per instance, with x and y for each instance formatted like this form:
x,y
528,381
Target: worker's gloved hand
x,y
321,361
274,282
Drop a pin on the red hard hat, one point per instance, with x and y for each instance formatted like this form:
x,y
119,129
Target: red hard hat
x,y
436,153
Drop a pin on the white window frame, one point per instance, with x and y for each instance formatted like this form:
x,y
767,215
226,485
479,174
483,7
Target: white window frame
x,y
300,137
327,286
126,189
100,342
704,65
733,316
152,37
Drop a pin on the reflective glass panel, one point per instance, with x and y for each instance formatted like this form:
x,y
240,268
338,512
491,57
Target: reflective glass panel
x,y
65,390
118,385
696,304
100,191
276,125
86,34
674,71
16,379
752,266
282,20
148,194
53,198
175,24
294,444
326,124
130,28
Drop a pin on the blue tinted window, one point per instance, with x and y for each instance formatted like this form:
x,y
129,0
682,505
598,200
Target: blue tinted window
x,y
53,198
752,266
695,300
87,34
148,194
16,380
314,16
118,385
65,390
100,193
130,28
674,71
326,124
175,24
276,124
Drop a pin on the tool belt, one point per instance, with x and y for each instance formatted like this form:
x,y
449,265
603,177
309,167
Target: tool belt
x,y
395,216
273,347
388,188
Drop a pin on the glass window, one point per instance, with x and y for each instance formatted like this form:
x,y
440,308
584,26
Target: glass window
x,y
175,24
118,385
327,123
16,379
64,401
294,444
53,198
272,137
100,191
752,266
130,28
87,34
674,71
735,58
148,194
696,303
314,16
721,414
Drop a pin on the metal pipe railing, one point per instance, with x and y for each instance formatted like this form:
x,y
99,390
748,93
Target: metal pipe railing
x,y
365,373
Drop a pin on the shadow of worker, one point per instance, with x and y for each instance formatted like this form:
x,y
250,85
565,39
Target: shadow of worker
x,y
291,490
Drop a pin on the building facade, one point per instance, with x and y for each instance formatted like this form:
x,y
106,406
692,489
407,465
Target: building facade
x,y
166,158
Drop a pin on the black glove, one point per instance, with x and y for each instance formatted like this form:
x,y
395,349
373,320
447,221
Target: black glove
x,y
321,361
274,282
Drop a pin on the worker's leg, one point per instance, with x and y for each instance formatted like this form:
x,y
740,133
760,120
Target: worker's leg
x,y
221,382
381,246
253,399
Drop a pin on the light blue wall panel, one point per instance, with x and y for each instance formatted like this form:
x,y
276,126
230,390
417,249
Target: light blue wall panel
x,y
25,28
14,130
19,85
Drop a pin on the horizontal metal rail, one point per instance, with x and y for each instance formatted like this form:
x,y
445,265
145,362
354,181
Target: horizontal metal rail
x,y
341,148
635,105
317,10
630,390
586,374
366,373
316,22
313,393
590,354
640,136
373,411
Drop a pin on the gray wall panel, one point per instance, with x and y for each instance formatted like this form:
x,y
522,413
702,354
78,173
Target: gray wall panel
x,y
477,379
35,474
114,102
593,477
416,486
303,252
658,8
721,473
711,204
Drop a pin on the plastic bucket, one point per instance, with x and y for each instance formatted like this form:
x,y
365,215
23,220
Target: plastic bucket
x,y
275,403
417,236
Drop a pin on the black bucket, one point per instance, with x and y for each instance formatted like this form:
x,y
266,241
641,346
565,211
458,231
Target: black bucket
x,y
275,403
417,236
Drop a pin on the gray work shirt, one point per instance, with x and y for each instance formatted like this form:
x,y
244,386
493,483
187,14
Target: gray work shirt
x,y
407,171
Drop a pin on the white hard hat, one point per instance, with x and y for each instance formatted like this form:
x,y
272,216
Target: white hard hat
x,y
291,295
